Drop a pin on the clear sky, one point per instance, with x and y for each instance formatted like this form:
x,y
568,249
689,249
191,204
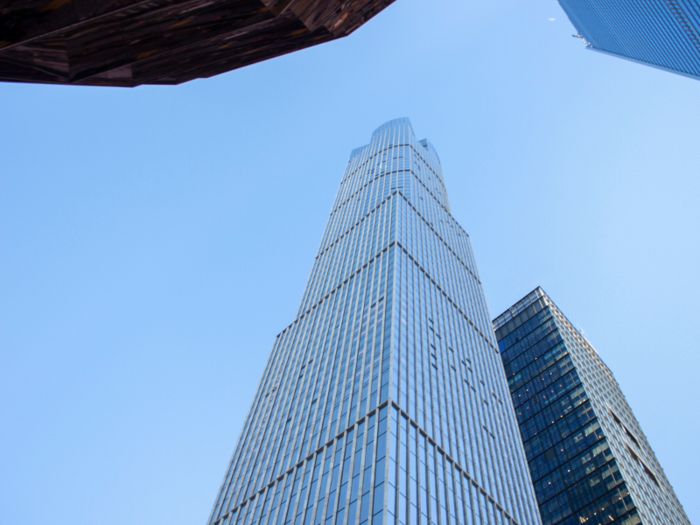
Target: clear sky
x,y
153,241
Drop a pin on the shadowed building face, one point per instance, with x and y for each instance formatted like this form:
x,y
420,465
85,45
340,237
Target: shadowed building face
x,y
130,42
589,459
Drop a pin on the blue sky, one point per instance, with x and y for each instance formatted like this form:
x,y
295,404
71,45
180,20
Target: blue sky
x,y
153,241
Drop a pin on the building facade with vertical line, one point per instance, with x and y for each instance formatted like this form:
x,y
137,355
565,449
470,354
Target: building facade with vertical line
x,y
385,401
589,459
660,33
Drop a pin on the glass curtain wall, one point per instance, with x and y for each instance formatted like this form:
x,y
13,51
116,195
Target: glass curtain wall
x,y
385,401
589,459
660,33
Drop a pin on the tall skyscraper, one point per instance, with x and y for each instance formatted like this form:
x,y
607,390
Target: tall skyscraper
x,y
589,459
659,33
385,401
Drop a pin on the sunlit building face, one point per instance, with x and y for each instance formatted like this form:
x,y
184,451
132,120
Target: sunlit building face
x,y
385,401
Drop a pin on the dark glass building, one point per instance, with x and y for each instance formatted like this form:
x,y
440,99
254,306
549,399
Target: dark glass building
x,y
589,459
659,33
384,402
133,42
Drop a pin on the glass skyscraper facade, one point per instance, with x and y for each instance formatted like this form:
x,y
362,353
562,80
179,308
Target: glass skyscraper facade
x,y
660,33
385,401
589,459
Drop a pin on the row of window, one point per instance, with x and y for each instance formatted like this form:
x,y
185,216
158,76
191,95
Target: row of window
x,y
555,364
439,397
296,424
575,475
393,151
655,502
390,465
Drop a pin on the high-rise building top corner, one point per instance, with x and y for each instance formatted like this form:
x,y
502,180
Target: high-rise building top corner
x,y
429,146
389,141
529,306
519,307
664,34
397,124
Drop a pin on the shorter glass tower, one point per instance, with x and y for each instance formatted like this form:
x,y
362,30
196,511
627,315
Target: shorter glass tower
x,y
661,33
589,459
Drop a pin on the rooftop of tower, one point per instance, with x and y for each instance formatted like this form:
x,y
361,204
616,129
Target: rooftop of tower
x,y
519,307
405,122
512,313
402,129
